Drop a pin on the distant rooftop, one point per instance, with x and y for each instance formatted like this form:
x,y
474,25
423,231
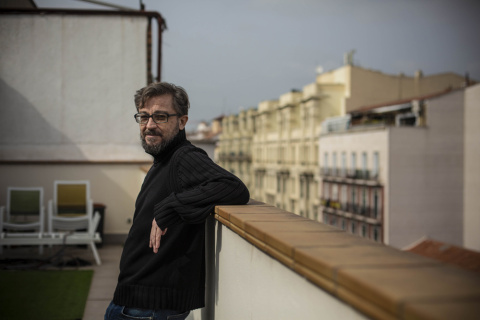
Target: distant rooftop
x,y
461,257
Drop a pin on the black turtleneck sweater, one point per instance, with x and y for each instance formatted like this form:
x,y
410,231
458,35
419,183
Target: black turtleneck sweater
x,y
179,191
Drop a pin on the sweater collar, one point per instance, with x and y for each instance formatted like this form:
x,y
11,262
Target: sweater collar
x,y
177,141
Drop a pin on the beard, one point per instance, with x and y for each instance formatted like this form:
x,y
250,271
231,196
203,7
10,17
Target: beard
x,y
158,148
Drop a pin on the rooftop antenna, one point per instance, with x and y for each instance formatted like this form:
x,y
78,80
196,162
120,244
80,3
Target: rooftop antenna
x,y
348,58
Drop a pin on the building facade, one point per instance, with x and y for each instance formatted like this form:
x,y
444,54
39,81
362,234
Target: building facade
x,y
281,136
234,148
397,174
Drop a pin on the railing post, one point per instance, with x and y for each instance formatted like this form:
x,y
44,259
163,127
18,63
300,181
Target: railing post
x,y
208,313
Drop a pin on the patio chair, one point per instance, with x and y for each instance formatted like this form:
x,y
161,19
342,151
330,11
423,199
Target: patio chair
x,y
71,207
24,214
70,214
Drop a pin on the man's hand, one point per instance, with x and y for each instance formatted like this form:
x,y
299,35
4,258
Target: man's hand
x,y
155,236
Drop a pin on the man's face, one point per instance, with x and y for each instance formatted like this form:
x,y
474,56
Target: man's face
x,y
156,136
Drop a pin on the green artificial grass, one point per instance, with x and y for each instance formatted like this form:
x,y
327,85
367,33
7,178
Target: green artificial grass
x,y
39,295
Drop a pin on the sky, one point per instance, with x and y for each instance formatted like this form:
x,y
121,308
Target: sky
x,y
230,55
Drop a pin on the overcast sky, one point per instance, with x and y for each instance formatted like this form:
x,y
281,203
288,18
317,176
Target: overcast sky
x,y
231,54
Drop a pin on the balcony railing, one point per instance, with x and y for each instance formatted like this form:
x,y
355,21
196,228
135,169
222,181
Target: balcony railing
x,y
351,173
258,257
232,156
355,208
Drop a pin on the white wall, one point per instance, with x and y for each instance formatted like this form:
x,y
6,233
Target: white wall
x,y
252,285
67,84
471,223
115,186
426,176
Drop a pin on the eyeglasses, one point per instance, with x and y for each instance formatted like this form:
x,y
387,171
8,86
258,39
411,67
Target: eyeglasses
x,y
143,118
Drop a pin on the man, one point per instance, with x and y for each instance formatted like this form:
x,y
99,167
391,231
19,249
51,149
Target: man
x,y
162,269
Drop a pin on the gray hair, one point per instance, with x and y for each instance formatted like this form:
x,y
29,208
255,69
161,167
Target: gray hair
x,y
181,104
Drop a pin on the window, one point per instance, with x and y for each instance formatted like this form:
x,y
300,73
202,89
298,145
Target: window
x,y
353,227
375,164
344,224
353,198
353,165
376,233
344,164
376,203
364,165
344,196
326,191
325,162
335,192
334,163
307,188
302,186
364,230
364,200
333,221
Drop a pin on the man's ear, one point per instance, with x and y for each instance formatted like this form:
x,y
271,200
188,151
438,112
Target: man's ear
x,y
183,122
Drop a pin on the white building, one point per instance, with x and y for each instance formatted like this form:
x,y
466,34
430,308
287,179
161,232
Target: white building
x,y
406,170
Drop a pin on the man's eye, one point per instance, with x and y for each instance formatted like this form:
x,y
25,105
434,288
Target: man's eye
x,y
159,117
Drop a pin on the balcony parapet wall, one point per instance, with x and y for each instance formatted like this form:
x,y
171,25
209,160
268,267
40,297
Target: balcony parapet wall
x,y
379,281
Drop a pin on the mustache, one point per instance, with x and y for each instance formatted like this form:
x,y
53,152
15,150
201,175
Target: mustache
x,y
152,133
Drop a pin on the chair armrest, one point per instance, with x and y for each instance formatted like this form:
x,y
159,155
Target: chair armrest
x,y
2,208
95,221
50,216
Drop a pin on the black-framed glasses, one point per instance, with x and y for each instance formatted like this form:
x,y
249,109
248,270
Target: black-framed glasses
x,y
142,118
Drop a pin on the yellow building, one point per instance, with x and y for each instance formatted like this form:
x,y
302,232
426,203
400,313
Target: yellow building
x,y
275,148
234,150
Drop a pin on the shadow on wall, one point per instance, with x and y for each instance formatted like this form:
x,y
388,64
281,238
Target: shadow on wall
x,y
25,133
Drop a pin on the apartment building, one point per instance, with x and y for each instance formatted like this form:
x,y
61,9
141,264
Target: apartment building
x,y
396,172
234,150
281,136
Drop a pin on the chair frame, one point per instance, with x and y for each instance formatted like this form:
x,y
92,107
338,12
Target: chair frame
x,y
69,223
87,222
70,237
8,225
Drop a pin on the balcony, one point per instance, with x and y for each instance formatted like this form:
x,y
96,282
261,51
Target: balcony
x,y
232,156
331,206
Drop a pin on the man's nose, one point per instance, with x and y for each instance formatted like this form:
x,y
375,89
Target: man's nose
x,y
151,123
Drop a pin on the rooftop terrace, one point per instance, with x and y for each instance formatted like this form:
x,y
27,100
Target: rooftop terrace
x,y
266,263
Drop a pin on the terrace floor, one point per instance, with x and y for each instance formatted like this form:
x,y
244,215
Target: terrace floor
x,y
104,281
104,276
